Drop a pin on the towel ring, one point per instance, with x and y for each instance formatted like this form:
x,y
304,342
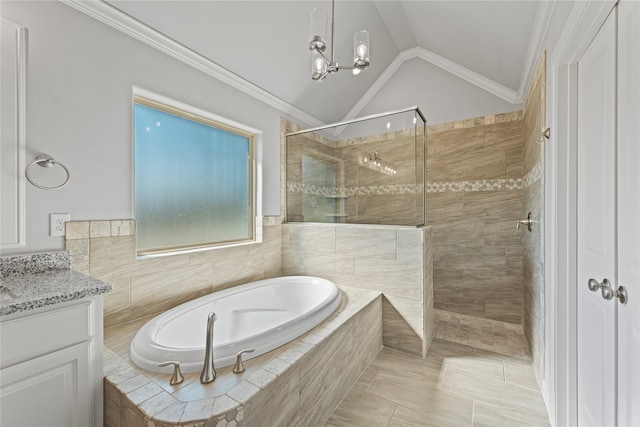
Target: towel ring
x,y
47,162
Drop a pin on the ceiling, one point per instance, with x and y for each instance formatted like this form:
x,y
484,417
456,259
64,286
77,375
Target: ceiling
x,y
265,42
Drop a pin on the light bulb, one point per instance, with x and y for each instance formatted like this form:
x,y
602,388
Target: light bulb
x,y
361,51
318,66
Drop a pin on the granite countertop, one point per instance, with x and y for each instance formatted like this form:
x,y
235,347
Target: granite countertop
x,y
41,280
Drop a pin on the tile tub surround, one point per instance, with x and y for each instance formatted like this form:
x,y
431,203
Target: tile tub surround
x,y
394,260
474,197
106,250
39,280
298,384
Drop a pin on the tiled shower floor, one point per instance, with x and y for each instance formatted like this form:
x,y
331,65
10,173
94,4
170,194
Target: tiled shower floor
x,y
457,384
486,334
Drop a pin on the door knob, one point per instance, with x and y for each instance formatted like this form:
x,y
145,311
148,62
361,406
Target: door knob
x,y
607,291
621,293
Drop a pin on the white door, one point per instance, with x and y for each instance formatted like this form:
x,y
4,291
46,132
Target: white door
x,y
597,228
629,212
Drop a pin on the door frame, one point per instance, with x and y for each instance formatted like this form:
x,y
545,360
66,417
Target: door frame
x,y
560,382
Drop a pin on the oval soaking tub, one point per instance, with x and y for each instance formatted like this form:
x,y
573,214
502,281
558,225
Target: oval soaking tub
x,y
262,315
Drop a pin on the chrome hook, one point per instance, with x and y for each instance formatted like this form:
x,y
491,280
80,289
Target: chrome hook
x,y
545,134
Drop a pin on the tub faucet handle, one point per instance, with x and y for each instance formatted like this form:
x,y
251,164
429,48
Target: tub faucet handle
x,y
177,377
239,366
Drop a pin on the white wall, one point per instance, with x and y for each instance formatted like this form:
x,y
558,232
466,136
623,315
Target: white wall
x,y
80,75
441,96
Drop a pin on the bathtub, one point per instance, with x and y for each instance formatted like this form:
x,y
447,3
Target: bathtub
x,y
262,315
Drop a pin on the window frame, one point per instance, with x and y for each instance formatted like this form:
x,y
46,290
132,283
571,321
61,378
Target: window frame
x,y
186,111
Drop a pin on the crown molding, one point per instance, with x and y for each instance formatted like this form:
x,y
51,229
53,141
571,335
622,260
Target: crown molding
x,y
464,73
130,26
457,70
538,35
375,87
124,23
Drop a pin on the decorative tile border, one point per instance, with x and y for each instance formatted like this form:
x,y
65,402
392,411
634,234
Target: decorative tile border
x,y
319,190
508,184
433,187
478,185
104,228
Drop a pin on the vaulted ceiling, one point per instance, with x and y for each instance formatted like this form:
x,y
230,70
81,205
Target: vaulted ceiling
x,y
489,43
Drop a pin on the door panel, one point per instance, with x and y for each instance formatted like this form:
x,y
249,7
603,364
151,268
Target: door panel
x,y
50,390
629,212
596,228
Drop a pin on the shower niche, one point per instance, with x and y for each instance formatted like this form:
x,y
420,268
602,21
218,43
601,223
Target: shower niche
x,y
364,171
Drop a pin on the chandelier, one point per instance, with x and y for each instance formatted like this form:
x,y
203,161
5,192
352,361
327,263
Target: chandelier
x,y
321,65
377,163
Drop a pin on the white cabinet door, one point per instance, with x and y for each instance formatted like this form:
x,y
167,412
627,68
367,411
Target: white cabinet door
x,y
597,228
52,390
629,212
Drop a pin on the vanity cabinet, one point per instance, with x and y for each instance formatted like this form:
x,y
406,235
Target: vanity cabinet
x,y
51,365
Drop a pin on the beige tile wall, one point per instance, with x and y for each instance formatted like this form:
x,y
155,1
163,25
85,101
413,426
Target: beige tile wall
x,y
388,259
533,201
106,250
474,197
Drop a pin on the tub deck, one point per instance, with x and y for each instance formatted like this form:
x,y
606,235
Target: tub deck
x,y
299,383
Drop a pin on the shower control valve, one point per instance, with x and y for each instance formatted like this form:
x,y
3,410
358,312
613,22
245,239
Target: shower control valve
x,y
527,222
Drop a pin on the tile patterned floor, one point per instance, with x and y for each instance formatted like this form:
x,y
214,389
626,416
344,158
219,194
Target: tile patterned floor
x,y
467,384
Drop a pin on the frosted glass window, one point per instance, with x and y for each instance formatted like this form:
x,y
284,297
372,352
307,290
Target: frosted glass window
x,y
193,180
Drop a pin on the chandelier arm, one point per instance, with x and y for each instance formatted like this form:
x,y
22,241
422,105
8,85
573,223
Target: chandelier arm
x,y
333,28
322,54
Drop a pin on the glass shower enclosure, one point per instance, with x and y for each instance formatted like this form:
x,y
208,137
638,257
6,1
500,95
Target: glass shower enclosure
x,y
364,171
